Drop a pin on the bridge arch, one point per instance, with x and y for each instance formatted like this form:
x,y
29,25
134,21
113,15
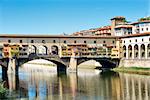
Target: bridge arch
x,y
105,62
61,66
91,64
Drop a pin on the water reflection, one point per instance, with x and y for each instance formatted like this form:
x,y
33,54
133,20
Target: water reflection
x,y
87,85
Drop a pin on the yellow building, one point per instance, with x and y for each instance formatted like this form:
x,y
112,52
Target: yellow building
x,y
117,51
14,50
10,51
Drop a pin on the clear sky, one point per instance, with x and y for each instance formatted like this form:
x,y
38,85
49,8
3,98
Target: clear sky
x,y
65,16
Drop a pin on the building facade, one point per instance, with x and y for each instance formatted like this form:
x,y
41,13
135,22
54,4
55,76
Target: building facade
x,y
57,45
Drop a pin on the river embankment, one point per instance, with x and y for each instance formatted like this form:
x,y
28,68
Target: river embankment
x,y
134,66
133,70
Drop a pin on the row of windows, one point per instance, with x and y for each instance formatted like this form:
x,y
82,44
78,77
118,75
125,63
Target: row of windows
x,y
143,29
54,41
136,40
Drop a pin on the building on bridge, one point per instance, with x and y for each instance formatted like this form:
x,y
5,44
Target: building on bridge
x,y
57,45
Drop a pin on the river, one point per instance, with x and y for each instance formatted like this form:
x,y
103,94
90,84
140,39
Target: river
x,y
46,84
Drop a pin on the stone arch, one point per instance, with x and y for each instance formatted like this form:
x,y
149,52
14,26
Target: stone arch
x,y
32,49
61,66
136,51
93,65
54,50
42,50
129,51
106,63
124,51
142,51
148,51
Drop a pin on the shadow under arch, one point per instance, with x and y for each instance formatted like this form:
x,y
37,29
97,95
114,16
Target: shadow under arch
x,y
105,62
61,66
91,66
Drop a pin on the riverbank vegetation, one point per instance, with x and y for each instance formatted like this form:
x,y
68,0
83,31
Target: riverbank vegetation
x,y
3,90
133,70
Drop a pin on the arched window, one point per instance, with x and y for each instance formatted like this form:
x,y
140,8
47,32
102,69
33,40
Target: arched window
x,y
148,50
142,51
32,49
54,50
136,51
42,50
129,51
124,51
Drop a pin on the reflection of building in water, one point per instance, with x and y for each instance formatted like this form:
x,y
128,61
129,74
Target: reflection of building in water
x,y
114,86
103,86
135,87
49,87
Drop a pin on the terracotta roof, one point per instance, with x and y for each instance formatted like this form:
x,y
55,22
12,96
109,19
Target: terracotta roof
x,y
51,36
124,26
104,28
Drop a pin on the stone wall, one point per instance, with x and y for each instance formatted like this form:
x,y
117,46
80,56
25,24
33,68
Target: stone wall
x,y
135,63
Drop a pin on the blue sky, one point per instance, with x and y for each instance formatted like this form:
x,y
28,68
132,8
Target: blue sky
x,y
65,16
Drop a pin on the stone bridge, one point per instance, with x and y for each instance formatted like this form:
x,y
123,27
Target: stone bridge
x,y
63,63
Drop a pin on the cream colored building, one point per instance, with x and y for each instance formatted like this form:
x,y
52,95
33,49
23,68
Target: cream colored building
x,y
136,46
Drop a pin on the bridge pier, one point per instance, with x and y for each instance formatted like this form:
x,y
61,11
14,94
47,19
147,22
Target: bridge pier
x,y
72,65
11,66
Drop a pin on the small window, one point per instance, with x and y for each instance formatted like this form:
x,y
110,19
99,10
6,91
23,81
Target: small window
x,y
135,40
130,40
9,41
104,45
124,42
113,42
32,41
142,39
104,41
142,29
94,41
54,41
20,41
65,41
43,41
75,41
84,41
146,29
